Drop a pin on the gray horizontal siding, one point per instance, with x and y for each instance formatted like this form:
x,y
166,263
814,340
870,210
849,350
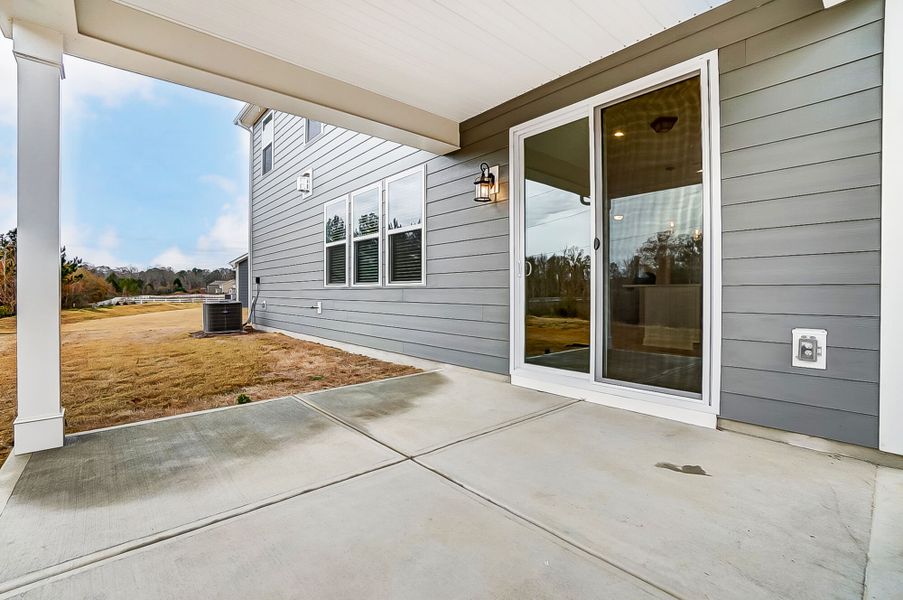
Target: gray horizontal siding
x,y
461,317
783,387
846,332
243,284
844,111
842,425
826,207
820,269
824,238
801,133
800,139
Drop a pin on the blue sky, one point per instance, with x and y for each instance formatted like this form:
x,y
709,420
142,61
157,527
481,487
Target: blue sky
x,y
152,173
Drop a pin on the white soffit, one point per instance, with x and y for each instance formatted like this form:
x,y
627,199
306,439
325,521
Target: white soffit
x,y
452,58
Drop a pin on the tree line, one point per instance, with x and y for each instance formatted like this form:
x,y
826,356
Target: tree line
x,y
84,284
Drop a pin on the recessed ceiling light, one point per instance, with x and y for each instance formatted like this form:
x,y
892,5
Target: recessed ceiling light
x,y
618,134
618,217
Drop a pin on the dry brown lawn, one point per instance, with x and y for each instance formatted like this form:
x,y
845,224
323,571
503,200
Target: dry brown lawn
x,y
554,334
132,363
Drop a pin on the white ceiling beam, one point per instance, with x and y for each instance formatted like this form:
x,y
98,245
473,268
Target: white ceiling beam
x,y
110,33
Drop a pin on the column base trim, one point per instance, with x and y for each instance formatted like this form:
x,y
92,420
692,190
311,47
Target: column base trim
x,y
37,433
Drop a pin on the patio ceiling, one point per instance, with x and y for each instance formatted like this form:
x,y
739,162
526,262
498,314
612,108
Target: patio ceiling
x,y
410,71
453,58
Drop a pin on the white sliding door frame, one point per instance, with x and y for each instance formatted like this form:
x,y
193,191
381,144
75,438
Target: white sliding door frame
x,y
699,411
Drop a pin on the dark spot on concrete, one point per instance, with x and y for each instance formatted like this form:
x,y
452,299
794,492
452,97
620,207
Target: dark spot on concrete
x,y
162,459
380,399
687,469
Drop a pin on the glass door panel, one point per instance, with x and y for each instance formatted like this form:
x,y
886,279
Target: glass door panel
x,y
652,222
557,247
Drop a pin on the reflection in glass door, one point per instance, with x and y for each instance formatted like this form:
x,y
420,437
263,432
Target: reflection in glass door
x,y
652,221
557,247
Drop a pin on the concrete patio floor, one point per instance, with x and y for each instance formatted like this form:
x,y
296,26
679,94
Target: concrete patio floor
x,y
446,484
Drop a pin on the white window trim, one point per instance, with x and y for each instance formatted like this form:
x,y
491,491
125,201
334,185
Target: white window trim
x,y
308,140
421,170
326,244
890,410
378,235
702,411
263,143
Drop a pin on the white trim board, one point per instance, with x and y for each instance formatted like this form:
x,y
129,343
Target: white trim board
x,y
890,411
699,411
645,407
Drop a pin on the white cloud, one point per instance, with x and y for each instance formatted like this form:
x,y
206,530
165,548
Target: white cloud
x,y
229,231
225,184
225,239
95,248
88,83
175,258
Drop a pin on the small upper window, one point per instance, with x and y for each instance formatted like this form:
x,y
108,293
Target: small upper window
x,y
267,140
312,130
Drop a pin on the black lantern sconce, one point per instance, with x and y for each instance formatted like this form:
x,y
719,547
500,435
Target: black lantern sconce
x,y
486,184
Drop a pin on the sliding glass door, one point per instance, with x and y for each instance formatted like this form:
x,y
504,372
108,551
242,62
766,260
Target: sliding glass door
x,y
651,190
557,246
613,239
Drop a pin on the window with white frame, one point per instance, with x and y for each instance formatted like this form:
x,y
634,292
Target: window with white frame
x,y
336,242
312,130
267,140
405,196
365,227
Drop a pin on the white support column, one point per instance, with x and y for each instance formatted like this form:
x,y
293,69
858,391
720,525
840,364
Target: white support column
x,y
39,59
890,411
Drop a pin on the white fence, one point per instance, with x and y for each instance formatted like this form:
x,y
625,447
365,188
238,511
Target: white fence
x,y
176,299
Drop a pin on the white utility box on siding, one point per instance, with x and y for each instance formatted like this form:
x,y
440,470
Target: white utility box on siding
x,y
810,348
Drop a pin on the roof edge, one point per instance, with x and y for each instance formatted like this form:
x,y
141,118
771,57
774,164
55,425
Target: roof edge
x,y
248,115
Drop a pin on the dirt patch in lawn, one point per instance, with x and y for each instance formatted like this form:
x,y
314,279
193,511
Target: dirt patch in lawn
x,y
142,365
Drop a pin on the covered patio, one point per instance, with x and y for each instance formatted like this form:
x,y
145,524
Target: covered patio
x,y
453,483
444,484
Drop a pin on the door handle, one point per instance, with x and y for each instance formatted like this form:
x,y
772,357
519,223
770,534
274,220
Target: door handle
x,y
596,244
528,268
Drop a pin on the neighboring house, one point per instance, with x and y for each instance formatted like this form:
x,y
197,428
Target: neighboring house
x,y
664,219
242,281
221,287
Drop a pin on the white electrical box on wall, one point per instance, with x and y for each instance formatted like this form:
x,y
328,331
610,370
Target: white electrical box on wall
x,y
810,348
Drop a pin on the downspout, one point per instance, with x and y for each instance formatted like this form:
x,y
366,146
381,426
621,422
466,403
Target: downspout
x,y
250,129
251,298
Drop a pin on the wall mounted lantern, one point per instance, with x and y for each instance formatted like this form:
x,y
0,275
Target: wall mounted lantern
x,y
486,184
305,183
